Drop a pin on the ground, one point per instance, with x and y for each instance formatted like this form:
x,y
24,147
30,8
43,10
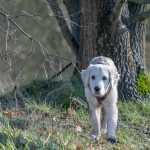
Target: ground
x,y
40,125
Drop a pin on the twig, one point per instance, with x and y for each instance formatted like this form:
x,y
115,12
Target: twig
x,y
44,50
6,41
10,35
62,70
26,14
27,57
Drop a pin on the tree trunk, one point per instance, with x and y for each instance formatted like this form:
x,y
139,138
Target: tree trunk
x,y
137,31
124,43
104,32
89,31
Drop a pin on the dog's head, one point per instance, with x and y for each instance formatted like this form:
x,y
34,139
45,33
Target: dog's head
x,y
99,78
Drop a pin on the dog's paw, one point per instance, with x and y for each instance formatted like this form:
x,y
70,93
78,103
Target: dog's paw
x,y
94,135
112,139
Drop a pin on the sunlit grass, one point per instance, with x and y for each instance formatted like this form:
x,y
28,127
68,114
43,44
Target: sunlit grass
x,y
33,122
46,127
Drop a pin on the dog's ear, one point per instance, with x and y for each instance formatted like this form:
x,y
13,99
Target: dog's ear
x,y
114,76
85,76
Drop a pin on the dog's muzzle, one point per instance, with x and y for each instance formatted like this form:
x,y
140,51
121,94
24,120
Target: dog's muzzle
x,y
99,98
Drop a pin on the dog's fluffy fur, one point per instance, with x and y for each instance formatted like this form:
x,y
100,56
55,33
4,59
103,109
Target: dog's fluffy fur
x,y
100,80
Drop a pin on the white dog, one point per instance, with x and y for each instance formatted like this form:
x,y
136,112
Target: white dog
x,y
100,80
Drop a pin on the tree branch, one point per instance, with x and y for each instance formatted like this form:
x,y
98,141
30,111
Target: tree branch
x,y
73,8
141,16
63,26
116,13
62,70
44,50
116,10
48,57
140,1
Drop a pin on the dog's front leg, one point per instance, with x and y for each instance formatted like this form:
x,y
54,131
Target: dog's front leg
x,y
111,118
103,120
95,122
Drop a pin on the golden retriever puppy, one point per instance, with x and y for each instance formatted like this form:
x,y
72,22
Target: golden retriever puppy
x,y
100,81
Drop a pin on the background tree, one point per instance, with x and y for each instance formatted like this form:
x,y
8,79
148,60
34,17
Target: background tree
x,y
110,28
113,28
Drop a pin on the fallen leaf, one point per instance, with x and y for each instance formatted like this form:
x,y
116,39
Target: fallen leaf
x,y
54,118
7,114
78,129
21,114
71,112
79,148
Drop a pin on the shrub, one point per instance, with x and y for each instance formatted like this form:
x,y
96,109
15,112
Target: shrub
x,y
143,83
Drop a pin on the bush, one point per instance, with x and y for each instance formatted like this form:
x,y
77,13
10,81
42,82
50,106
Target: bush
x,y
143,83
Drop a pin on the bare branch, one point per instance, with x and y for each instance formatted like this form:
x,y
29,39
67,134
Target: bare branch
x,y
26,14
3,3
10,35
44,50
140,1
62,70
48,57
8,59
63,26
141,16
25,61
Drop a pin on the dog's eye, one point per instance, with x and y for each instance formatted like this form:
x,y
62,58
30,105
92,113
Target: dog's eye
x,y
104,77
93,77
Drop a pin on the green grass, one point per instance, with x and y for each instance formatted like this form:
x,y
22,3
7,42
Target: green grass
x,y
42,126
45,127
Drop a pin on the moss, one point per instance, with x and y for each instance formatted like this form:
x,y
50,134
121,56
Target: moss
x,y
143,83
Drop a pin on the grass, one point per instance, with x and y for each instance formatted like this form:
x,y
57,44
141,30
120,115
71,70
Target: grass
x,y
39,125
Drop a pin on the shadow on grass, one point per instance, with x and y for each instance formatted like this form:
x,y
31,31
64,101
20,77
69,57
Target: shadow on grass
x,y
34,116
56,93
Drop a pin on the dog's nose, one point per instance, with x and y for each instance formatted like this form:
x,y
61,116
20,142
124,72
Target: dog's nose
x,y
97,88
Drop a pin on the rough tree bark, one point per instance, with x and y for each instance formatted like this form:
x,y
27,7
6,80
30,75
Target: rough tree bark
x,y
89,31
121,41
107,28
